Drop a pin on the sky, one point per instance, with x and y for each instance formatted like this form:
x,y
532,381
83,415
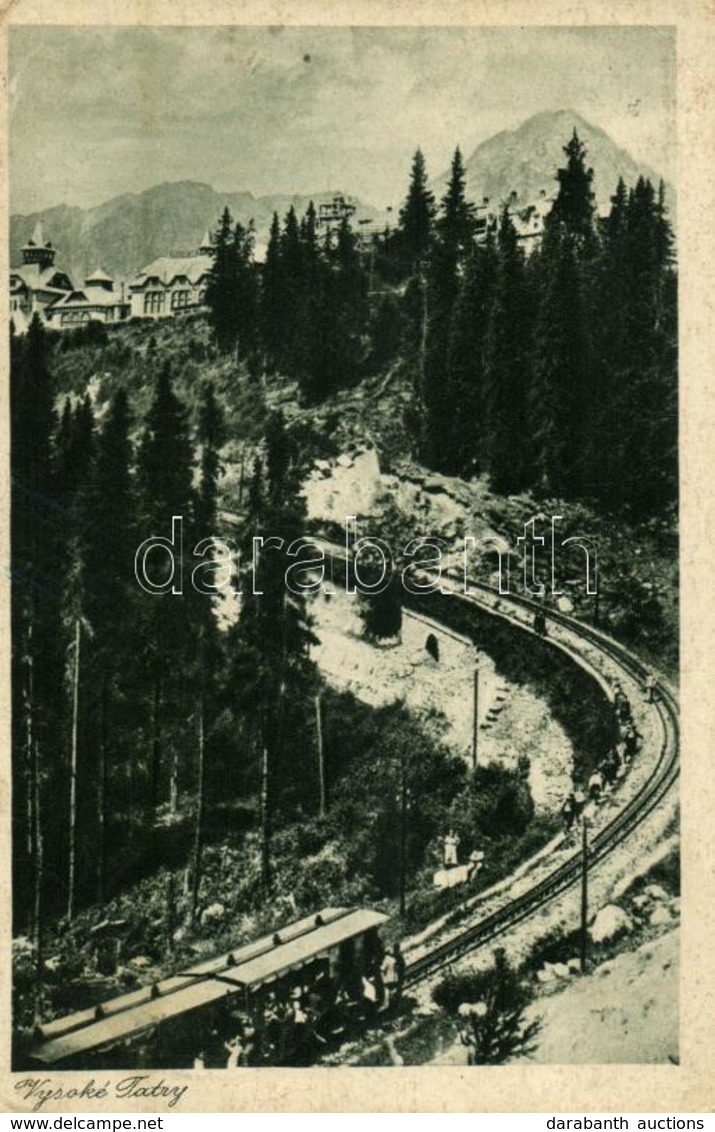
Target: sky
x,y
96,112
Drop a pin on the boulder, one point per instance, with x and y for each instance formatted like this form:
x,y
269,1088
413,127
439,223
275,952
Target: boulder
x,y
213,914
610,922
344,461
561,970
574,966
546,975
659,916
641,902
140,961
655,892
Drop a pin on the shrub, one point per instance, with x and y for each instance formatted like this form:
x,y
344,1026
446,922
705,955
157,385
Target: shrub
x,y
499,1031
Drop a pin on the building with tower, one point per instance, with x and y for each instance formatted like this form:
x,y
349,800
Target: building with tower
x,y
37,284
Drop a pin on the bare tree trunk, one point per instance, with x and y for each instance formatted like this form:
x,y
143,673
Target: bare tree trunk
x,y
28,711
174,779
265,820
102,801
170,918
38,859
73,778
198,828
155,762
174,772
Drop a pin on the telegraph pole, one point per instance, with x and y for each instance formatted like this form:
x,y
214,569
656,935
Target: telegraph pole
x,y
73,777
584,892
321,757
475,729
403,834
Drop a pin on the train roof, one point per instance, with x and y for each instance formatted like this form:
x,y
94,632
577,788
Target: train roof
x,y
245,968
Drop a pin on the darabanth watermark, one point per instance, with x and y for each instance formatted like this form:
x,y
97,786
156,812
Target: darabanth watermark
x,y
368,563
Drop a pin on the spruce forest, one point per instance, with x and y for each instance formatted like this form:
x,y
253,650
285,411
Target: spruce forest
x,y
151,738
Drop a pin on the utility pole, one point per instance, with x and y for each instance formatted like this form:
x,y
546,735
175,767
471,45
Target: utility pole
x,y
321,762
584,892
403,834
475,729
198,827
240,482
73,777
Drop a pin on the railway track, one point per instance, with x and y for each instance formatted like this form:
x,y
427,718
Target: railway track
x,y
605,840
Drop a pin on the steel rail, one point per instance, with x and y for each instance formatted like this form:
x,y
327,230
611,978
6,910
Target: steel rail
x,y
607,839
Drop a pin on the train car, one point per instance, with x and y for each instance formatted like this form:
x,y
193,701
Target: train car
x,y
165,1025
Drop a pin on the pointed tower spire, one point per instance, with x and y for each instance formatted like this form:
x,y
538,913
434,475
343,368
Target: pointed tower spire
x,y
37,251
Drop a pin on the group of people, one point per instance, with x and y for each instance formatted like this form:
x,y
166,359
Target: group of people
x,y
613,767
288,1024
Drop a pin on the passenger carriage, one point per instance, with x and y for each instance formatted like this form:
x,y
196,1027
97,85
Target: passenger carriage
x,y
165,1024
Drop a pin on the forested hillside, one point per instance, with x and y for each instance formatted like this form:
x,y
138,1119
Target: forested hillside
x,y
139,724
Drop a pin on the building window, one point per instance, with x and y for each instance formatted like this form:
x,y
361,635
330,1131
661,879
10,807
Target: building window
x,y
154,302
179,300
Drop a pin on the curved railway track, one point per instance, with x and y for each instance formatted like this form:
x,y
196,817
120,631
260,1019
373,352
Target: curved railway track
x,y
605,840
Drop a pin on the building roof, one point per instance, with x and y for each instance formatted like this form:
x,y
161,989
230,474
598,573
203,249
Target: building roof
x,y
37,239
34,276
295,953
99,276
167,268
247,967
86,297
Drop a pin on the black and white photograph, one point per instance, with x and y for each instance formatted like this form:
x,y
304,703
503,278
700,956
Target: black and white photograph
x,y
344,550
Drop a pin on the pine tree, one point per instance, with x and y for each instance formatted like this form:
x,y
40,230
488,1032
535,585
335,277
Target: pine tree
x,y
502,1032
562,407
559,400
506,369
271,674
110,598
272,299
292,294
648,364
245,291
417,215
37,640
573,208
467,356
350,291
456,222
221,286
165,481
605,453
210,438
454,237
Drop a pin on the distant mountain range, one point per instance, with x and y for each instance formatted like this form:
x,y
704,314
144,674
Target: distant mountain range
x,y
128,231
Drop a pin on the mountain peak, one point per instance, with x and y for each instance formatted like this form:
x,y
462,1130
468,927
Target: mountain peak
x,y
525,160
